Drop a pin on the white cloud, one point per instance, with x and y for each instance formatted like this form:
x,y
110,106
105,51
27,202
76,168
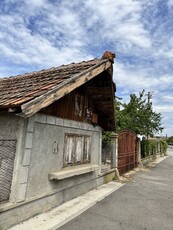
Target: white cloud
x,y
167,122
40,33
119,21
54,41
134,76
168,98
42,30
164,108
170,3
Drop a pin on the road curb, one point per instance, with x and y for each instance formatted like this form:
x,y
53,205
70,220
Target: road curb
x,y
62,214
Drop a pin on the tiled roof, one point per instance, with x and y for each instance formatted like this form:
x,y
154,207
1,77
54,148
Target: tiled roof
x,y
15,91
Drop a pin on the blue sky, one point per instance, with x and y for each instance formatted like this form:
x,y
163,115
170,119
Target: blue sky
x,y
39,34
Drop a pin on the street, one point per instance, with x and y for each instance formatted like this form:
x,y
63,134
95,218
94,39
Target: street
x,y
144,203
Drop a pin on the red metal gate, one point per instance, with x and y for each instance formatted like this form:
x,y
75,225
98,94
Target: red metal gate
x,y
127,151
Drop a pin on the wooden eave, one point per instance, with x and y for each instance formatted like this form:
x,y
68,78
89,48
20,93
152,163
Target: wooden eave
x,y
35,105
102,93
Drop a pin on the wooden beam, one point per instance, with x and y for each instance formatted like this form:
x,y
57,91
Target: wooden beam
x,y
65,88
99,90
104,103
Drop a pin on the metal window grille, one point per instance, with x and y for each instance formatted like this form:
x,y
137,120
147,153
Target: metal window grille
x,y
7,155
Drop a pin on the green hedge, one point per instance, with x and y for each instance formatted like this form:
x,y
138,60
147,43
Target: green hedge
x,y
153,147
164,147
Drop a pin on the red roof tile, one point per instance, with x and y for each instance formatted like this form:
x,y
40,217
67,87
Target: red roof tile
x,y
20,89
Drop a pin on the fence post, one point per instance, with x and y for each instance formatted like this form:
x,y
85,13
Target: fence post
x,y
114,143
140,164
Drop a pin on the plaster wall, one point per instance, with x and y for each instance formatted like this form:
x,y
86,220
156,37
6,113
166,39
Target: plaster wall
x,y
27,210
39,151
47,146
9,126
13,128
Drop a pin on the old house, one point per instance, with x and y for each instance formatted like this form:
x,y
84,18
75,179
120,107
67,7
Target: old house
x,y
51,125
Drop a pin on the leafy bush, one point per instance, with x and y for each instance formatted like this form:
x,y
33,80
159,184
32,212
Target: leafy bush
x,y
170,140
152,147
163,145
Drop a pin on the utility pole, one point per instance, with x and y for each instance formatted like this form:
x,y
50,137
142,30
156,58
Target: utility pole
x,y
149,96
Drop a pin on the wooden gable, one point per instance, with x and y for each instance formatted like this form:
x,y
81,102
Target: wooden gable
x,y
79,91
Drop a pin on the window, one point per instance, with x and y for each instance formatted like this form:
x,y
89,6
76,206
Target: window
x,y
7,155
76,149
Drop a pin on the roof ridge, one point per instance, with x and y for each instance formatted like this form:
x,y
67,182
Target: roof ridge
x,y
63,66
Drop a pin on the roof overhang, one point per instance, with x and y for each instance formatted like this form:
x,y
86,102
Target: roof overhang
x,y
101,90
35,105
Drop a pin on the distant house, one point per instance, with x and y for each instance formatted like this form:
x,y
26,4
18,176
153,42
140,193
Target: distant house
x,y
51,125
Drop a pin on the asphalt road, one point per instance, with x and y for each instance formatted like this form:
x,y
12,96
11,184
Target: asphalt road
x,y
144,203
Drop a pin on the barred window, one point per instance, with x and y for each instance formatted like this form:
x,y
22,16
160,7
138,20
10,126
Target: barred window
x,y
7,155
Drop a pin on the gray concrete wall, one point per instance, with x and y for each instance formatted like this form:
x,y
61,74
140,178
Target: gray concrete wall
x,y
46,132
13,128
9,126
32,191
10,217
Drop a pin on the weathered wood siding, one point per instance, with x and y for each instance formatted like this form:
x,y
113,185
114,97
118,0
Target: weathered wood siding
x,y
75,106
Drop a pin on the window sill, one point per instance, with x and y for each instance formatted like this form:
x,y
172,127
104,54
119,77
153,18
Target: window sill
x,y
73,171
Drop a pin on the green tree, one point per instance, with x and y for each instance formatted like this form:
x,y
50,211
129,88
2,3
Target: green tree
x,y
170,140
138,115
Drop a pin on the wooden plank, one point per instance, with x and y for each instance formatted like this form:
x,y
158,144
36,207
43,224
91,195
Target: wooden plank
x,y
43,101
99,90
